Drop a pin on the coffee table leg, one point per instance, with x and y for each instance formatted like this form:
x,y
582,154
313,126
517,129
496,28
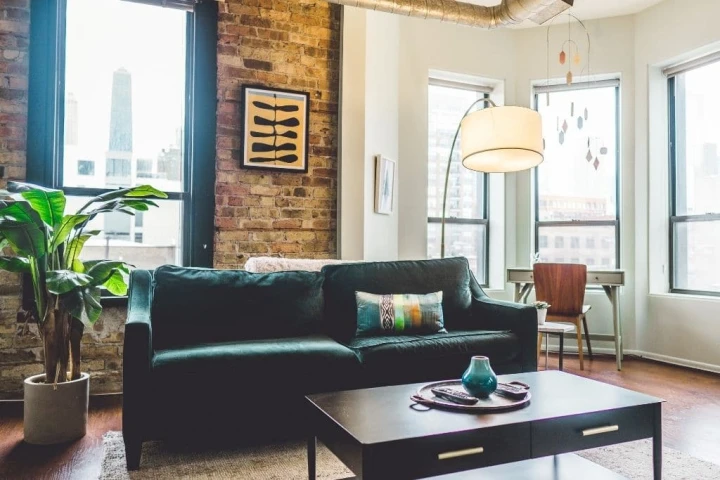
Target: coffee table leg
x,y
562,345
657,444
311,454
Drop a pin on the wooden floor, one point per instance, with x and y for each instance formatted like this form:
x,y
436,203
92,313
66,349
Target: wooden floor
x,y
691,419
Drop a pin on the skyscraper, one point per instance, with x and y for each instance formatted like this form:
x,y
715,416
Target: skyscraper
x,y
121,139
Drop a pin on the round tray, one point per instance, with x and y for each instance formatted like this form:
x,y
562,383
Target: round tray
x,y
493,403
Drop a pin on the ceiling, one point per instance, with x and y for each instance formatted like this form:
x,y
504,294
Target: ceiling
x,y
588,9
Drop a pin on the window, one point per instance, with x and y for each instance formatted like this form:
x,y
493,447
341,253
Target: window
x,y
577,186
543,241
694,182
86,167
143,90
466,224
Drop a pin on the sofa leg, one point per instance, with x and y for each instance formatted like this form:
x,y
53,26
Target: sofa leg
x,y
133,449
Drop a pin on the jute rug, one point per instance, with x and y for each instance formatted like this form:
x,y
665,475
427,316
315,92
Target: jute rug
x,y
288,461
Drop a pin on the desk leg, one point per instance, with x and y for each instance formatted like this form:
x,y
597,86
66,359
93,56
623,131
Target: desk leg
x,y
562,347
518,292
657,443
613,293
312,458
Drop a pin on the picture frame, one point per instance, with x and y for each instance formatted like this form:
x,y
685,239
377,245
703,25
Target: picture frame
x,y
385,172
275,129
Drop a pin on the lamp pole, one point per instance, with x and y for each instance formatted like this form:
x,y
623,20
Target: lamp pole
x,y
447,172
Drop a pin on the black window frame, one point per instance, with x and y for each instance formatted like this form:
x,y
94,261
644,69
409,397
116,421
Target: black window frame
x,y
674,218
46,119
485,221
586,223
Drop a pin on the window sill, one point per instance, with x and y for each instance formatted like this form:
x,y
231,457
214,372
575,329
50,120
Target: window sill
x,y
685,296
112,301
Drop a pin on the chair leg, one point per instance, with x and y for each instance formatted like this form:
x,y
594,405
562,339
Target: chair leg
x,y
587,337
539,346
578,329
133,450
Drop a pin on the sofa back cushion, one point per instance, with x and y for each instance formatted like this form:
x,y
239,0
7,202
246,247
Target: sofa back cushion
x,y
198,305
450,275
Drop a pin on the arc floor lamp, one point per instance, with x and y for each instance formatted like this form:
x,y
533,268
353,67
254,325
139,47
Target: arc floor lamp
x,y
495,140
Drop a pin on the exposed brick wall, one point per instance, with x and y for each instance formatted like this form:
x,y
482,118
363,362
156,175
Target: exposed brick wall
x,y
283,43
291,44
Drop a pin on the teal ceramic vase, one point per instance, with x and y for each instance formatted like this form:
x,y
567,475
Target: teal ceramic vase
x,y
479,379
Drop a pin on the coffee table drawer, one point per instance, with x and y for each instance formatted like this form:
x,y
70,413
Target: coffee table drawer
x,y
455,452
590,430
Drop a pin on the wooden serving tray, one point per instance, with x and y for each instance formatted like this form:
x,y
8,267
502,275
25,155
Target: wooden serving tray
x,y
493,403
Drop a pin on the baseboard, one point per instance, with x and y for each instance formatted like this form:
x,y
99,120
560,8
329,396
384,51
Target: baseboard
x,y
681,362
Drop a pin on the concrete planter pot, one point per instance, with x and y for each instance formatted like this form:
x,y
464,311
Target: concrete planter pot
x,y
542,315
55,414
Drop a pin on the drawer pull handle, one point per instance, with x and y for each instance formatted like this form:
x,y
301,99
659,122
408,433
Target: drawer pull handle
x,y
598,430
460,453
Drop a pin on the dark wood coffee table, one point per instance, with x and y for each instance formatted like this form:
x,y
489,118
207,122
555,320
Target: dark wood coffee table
x,y
378,434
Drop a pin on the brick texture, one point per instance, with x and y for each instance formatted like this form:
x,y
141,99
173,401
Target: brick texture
x,y
286,44
281,43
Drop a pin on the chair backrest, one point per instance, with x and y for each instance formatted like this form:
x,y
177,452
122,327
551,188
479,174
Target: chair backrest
x,y
562,285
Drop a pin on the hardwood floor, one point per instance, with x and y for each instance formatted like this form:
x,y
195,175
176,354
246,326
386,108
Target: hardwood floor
x,y
691,419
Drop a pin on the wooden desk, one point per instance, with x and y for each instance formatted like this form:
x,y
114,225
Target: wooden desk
x,y
609,280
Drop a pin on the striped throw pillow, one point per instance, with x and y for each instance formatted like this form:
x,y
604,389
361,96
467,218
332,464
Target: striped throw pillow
x,y
399,313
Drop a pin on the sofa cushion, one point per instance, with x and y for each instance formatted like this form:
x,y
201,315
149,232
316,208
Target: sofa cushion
x,y
450,275
406,313
197,305
395,359
293,366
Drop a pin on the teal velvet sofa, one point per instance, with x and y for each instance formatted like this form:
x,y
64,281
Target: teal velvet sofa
x,y
217,353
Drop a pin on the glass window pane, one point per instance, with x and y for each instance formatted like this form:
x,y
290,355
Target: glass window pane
x,y
125,95
461,241
594,246
697,124
446,107
696,256
152,241
577,180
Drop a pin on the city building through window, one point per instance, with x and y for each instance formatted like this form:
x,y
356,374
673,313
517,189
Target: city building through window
x,y
466,225
576,194
695,180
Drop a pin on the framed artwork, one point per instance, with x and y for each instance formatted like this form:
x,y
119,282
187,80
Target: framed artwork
x,y
275,135
384,185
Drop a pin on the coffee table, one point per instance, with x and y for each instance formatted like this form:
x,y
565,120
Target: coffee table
x,y
379,434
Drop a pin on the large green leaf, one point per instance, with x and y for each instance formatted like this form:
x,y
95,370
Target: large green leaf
x,y
15,264
27,239
139,191
93,307
102,270
48,203
117,284
62,281
74,248
19,211
63,231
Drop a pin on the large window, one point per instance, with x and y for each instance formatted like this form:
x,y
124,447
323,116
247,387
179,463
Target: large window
x,y
466,225
576,194
117,86
694,113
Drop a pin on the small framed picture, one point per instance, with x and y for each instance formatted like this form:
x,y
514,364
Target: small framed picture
x,y
384,185
275,134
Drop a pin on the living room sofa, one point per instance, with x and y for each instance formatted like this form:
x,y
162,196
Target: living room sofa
x,y
211,353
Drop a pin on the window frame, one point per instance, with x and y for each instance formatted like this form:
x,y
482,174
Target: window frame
x,y
46,93
673,217
484,220
616,84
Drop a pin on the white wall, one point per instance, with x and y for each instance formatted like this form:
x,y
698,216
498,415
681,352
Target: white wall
x,y
676,328
369,122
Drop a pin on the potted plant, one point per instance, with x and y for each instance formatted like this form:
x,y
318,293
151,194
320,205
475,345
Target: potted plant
x,y
542,308
39,239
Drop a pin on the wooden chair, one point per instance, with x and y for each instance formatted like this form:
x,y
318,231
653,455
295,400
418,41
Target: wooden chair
x,y
562,285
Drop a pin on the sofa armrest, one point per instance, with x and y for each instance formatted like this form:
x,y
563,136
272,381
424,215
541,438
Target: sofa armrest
x,y
137,355
521,319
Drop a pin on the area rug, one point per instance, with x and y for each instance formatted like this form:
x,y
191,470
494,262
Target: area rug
x,y
288,461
